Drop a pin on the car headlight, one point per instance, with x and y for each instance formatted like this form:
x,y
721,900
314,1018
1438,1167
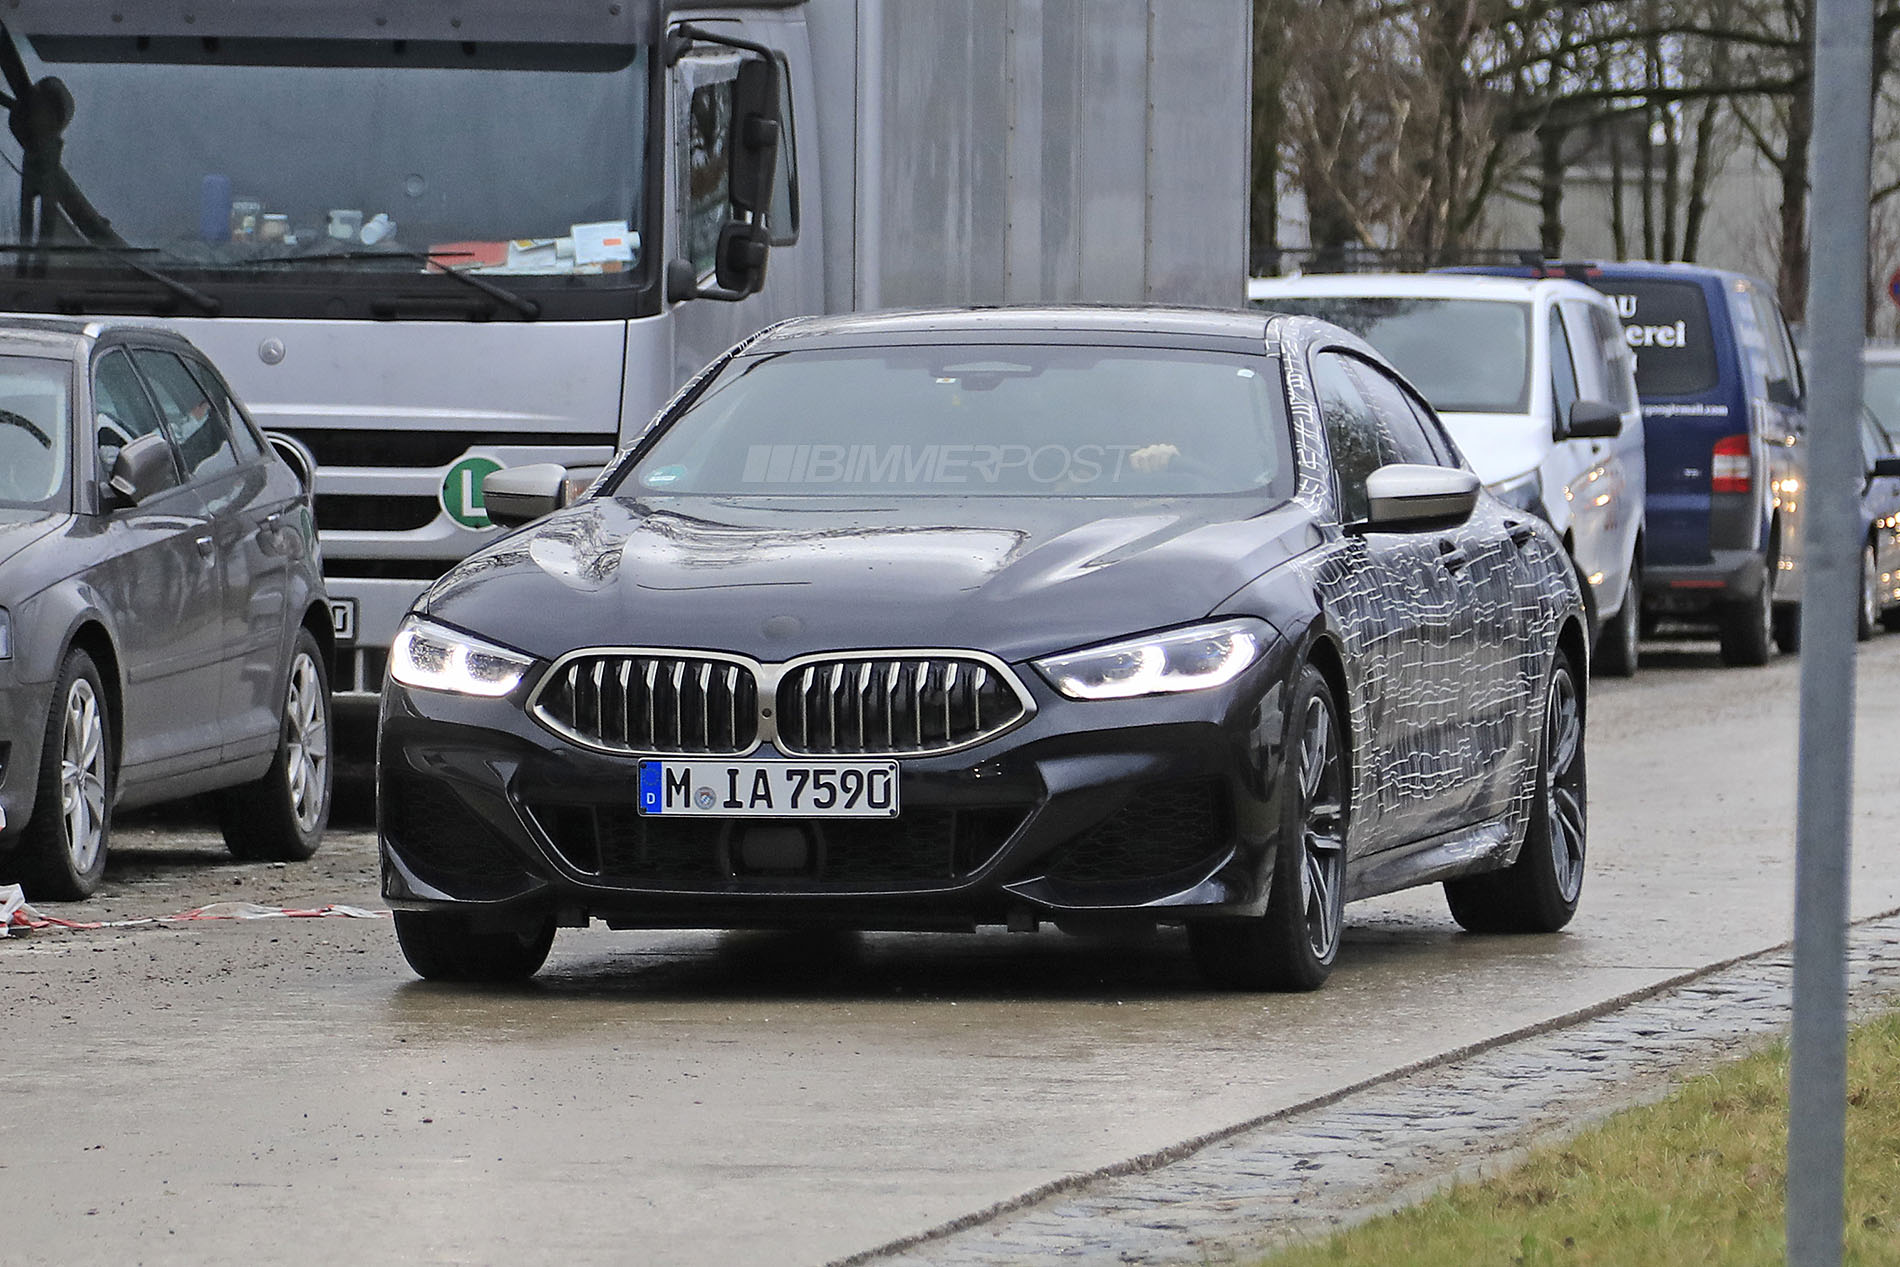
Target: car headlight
x,y
1158,664
1526,493
6,635
434,657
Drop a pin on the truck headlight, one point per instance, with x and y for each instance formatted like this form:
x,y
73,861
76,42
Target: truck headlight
x,y
1158,664
433,657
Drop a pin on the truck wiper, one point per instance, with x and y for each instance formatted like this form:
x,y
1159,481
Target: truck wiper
x,y
209,305
527,308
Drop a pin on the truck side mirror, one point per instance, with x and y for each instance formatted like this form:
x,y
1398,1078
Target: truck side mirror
x,y
755,138
143,468
743,248
1885,466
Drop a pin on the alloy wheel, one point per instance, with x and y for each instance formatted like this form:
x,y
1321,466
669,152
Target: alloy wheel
x,y
1563,778
82,776
306,742
1323,829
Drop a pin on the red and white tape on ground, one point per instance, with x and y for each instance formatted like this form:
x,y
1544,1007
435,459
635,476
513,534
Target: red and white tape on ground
x,y
15,913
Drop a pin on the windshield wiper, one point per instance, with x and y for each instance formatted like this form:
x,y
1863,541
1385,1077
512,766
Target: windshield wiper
x,y
209,305
527,308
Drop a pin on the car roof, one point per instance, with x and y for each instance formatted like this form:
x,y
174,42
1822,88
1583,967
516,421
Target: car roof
x,y
1073,323
67,336
1417,285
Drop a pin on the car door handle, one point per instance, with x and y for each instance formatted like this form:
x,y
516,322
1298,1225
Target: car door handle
x,y
207,545
1452,556
1520,532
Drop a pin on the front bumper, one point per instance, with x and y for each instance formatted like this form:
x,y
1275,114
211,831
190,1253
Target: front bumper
x,y
1147,809
23,713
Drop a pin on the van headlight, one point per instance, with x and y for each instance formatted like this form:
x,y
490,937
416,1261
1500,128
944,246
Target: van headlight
x,y
1158,664
1525,493
433,657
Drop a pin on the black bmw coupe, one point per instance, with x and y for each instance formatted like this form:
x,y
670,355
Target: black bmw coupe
x,y
937,620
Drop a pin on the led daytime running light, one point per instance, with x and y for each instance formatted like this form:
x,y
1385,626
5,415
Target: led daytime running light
x,y
431,657
1164,664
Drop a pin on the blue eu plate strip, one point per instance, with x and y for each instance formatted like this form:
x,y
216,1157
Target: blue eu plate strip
x,y
650,786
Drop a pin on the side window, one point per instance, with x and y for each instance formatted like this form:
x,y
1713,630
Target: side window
x,y
194,422
121,411
1563,369
706,164
1352,433
1774,333
1618,361
243,430
1370,422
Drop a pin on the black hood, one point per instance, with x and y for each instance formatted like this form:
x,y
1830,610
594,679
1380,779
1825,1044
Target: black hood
x,y
21,528
1017,577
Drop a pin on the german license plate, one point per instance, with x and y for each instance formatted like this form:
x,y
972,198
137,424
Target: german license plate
x,y
343,619
768,789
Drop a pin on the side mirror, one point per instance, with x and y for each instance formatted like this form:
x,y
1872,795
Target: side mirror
x,y
1781,392
1885,466
743,247
1593,420
522,494
755,137
143,468
1406,498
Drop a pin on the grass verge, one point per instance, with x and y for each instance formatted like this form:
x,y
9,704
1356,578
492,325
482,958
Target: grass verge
x,y
1695,1178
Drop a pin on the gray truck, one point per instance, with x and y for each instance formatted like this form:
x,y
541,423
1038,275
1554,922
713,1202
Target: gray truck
x,y
434,240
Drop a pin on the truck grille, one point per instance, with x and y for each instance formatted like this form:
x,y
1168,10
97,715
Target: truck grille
x,y
896,705
424,450
628,703
360,512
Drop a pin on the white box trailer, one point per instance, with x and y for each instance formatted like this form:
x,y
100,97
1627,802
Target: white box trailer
x,y
433,239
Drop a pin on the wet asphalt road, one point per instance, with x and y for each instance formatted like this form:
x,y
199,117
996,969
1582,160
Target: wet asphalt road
x,y
285,1091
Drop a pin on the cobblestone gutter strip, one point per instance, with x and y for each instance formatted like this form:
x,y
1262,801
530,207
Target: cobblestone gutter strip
x,y
1349,1155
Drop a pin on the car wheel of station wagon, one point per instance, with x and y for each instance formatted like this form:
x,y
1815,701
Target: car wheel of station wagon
x,y
1748,629
1293,946
1869,615
281,817
1618,646
1539,892
63,854
446,946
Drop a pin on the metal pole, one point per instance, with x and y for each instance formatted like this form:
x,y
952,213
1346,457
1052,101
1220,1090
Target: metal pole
x,y
1837,287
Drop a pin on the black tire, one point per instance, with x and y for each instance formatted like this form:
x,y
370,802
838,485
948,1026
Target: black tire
x,y
1619,644
1294,944
281,817
444,946
1539,892
1747,629
62,853
1868,617
1787,622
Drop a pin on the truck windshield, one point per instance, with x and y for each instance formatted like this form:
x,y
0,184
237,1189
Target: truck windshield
x,y
237,156
1433,341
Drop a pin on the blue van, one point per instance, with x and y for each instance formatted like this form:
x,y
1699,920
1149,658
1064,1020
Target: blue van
x,y
1724,425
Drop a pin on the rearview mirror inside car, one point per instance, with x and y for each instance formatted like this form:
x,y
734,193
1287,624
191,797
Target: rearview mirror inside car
x,y
1594,420
522,494
1403,497
143,467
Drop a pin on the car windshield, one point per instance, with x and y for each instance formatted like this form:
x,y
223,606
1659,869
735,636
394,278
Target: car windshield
x,y
968,420
35,433
238,155
1468,356
1882,393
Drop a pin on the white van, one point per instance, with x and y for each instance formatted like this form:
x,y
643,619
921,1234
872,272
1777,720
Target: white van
x,y
1536,383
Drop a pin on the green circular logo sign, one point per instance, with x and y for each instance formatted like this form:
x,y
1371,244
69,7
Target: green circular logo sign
x,y
462,491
